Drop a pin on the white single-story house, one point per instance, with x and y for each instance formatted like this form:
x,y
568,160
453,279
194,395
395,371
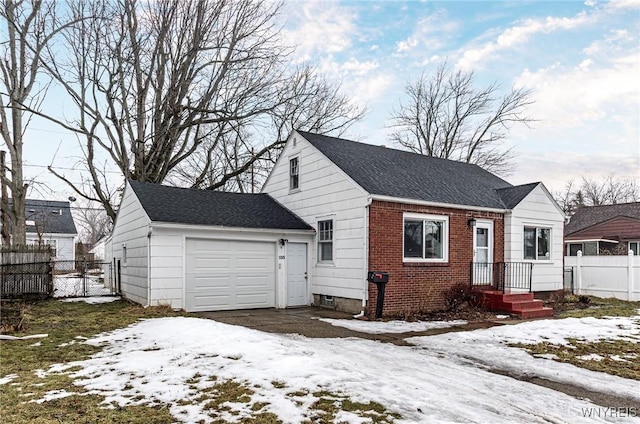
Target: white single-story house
x,y
204,250
330,211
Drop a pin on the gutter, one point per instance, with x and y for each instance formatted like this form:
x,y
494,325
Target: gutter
x,y
391,199
365,292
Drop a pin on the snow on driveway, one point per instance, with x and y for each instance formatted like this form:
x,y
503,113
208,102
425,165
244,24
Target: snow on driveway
x,y
153,359
381,327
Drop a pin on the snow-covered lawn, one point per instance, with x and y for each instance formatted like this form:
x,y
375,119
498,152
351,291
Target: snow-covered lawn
x,y
444,378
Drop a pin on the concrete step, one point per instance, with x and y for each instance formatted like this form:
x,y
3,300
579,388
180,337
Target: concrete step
x,y
536,313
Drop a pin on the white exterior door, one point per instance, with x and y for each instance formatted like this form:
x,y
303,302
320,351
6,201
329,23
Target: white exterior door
x,y
297,274
229,274
483,253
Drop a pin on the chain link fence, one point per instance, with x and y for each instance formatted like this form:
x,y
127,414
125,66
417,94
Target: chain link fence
x,y
83,279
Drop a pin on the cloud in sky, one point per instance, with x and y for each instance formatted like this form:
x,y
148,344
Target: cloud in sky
x,y
516,35
319,27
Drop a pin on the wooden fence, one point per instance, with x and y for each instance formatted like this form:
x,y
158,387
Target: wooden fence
x,y
25,271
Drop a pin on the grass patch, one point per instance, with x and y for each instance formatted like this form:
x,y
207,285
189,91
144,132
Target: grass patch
x,y
618,357
591,306
329,404
63,322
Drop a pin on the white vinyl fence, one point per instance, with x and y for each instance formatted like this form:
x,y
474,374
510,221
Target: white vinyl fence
x,y
606,276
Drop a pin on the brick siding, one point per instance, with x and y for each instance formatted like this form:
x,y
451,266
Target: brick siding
x,y
418,287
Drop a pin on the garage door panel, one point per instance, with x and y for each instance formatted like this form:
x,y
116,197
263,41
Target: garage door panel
x,y
225,275
209,282
253,264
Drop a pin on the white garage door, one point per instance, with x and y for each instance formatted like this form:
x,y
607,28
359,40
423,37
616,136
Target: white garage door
x,y
226,275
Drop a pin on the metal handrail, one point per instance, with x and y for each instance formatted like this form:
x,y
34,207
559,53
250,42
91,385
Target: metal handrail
x,y
502,276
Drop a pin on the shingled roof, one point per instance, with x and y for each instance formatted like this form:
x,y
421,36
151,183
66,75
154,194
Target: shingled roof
x,y
205,207
50,216
588,216
397,173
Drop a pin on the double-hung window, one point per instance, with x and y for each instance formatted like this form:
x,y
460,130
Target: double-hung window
x,y
537,243
294,171
325,241
426,238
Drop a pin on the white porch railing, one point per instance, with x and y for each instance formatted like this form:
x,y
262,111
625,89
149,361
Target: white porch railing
x,y
606,276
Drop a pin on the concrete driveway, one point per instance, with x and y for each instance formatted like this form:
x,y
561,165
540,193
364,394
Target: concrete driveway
x,y
304,321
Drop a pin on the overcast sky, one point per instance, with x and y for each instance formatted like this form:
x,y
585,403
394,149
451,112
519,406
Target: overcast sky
x,y
580,59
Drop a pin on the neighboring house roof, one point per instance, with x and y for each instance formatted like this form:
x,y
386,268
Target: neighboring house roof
x,y
400,174
588,216
50,217
205,207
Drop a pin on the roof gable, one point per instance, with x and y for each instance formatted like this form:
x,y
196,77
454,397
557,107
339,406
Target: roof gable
x,y
589,216
203,207
400,174
512,196
49,217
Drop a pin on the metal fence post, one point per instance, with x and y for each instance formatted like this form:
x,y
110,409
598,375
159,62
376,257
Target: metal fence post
x,y
84,276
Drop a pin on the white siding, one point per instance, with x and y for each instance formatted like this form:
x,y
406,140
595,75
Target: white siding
x,y
130,230
537,209
65,245
168,256
325,192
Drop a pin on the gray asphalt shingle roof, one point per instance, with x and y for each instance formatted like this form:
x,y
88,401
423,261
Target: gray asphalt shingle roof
x,y
50,216
588,216
396,173
511,196
205,207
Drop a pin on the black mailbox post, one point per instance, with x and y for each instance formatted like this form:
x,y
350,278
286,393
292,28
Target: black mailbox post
x,y
380,279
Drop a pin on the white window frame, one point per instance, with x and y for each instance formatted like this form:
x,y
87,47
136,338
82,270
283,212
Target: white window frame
x,y
537,259
635,251
296,175
445,237
332,241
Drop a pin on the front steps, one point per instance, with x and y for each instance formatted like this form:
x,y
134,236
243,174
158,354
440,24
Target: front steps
x,y
522,304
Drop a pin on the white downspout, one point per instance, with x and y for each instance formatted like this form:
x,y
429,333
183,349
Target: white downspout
x,y
365,291
149,266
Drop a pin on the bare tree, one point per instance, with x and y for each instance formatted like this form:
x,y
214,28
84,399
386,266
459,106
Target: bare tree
x,y
241,157
28,28
93,221
447,117
184,90
608,190
152,81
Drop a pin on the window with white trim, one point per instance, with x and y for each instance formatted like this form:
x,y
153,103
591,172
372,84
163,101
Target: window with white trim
x,y
426,238
635,246
294,174
325,241
537,243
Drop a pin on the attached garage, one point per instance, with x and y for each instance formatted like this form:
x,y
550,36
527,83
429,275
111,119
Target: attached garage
x,y
230,274
209,251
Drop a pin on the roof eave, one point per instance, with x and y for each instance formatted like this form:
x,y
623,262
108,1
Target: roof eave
x,y
392,199
178,225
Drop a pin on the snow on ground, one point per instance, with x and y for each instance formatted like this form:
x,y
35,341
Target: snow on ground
x,y
7,378
71,285
155,358
380,327
487,348
92,300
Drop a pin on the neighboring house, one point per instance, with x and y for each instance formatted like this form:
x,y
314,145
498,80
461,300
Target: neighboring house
x,y
430,223
205,250
50,223
99,249
607,229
